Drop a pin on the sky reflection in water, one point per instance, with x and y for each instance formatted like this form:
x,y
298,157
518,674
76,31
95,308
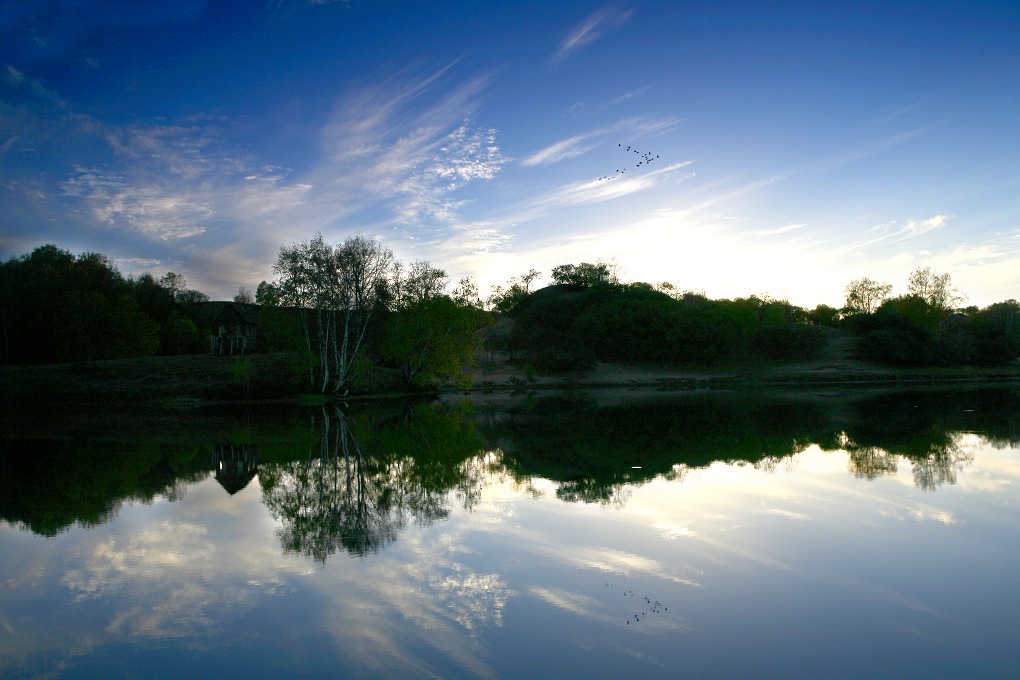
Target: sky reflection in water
x,y
804,566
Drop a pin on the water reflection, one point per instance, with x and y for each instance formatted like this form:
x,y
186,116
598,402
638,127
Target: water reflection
x,y
441,539
352,480
356,497
236,465
596,454
49,485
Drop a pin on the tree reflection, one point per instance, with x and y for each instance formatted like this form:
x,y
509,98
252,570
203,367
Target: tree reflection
x,y
331,501
596,454
357,491
871,462
932,467
941,463
354,479
49,485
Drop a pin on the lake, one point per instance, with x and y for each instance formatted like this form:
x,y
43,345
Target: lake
x,y
604,534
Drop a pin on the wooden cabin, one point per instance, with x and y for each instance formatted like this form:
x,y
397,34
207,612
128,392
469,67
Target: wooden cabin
x,y
235,329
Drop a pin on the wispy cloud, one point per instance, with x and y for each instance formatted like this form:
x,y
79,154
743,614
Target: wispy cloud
x,y
402,150
564,149
900,232
778,230
583,142
590,30
395,155
626,96
594,191
149,210
880,146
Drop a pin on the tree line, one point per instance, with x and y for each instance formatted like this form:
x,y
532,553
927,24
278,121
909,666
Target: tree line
x,y
589,315
350,314
57,307
927,326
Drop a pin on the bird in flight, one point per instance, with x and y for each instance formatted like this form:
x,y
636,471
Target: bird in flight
x,y
646,158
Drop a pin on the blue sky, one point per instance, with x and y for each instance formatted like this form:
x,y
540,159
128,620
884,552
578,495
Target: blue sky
x,y
794,146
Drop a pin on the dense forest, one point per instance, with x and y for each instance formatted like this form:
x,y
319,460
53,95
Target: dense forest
x,y
57,307
349,309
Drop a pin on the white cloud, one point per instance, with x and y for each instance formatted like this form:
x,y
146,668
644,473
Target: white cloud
x,y
896,232
561,150
584,142
150,210
590,30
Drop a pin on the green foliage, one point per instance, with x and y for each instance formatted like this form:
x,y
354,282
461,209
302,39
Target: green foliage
x,y
429,335
89,327
935,289
180,335
281,329
242,371
505,300
563,328
549,333
336,290
911,331
824,315
790,341
334,306
55,306
997,333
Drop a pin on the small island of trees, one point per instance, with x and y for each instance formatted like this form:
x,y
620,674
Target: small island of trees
x,y
348,311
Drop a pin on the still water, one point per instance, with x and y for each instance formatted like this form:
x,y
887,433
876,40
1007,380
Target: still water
x,y
603,535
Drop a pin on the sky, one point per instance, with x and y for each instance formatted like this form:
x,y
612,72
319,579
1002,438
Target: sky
x,y
730,148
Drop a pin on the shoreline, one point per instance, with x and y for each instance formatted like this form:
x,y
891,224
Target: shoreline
x,y
196,381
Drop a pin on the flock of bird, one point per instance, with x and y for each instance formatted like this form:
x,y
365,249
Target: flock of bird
x,y
654,606
646,159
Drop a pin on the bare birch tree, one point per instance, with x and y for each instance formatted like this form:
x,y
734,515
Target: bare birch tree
x,y
336,289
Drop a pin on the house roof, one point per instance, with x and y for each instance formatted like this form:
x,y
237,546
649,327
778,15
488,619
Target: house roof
x,y
247,313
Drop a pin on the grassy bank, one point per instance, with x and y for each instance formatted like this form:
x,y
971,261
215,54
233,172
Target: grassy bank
x,y
187,381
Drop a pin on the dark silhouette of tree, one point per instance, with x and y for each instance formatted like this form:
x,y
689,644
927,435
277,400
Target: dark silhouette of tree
x,y
864,296
585,275
56,307
935,289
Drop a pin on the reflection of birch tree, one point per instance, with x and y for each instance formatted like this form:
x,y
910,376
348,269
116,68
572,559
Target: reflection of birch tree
x,y
334,500
941,464
871,462
344,497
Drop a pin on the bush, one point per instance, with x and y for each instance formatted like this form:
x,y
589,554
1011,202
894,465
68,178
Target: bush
x,y
790,341
896,346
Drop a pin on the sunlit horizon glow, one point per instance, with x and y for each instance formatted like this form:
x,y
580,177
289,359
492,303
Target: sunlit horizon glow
x,y
793,149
